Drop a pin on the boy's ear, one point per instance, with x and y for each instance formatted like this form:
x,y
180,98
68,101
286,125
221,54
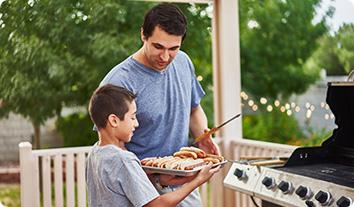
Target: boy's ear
x,y
113,120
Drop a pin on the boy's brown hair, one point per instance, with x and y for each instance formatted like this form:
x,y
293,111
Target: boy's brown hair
x,y
109,99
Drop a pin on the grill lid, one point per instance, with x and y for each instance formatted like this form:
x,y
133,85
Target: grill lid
x,y
340,98
339,148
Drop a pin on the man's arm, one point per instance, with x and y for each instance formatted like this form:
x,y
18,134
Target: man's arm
x,y
198,124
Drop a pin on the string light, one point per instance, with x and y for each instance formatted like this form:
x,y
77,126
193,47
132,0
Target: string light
x,y
200,78
308,114
289,108
288,112
326,107
269,108
297,109
326,116
312,107
254,107
263,100
307,105
282,109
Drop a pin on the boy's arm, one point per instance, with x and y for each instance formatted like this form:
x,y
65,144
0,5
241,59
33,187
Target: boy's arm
x,y
175,197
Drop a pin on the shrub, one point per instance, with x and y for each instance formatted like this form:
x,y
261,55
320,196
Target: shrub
x,y
272,127
76,130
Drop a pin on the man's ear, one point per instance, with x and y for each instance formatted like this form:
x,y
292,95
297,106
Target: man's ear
x,y
142,36
113,120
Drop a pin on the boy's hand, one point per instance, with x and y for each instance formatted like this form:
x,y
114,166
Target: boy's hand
x,y
203,176
206,173
166,180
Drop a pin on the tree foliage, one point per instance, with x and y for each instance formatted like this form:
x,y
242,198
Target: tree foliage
x,y
54,53
277,37
336,52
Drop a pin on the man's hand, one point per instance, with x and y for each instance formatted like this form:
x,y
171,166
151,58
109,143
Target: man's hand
x,y
166,180
208,146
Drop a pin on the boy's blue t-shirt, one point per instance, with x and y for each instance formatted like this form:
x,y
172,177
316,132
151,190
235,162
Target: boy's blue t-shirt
x,y
164,102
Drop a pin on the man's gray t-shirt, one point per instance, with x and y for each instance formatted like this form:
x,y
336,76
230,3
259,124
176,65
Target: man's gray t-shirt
x,y
164,102
115,178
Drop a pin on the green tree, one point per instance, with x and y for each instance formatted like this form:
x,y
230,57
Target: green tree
x,y
54,53
336,52
345,47
277,37
325,57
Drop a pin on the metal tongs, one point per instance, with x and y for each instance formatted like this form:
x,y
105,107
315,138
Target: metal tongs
x,y
263,161
214,129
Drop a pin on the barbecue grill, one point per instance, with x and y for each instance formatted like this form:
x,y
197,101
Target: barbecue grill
x,y
312,176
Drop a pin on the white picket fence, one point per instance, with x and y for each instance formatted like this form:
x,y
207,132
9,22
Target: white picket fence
x,y
63,169
52,162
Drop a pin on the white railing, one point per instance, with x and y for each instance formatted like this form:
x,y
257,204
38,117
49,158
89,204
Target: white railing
x,y
36,182
40,169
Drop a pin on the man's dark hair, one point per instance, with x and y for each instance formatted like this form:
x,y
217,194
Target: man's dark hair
x,y
109,99
168,17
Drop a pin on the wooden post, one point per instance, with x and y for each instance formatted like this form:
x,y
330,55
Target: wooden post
x,y
227,76
29,189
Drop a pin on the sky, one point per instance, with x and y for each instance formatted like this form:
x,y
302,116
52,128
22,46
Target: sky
x,y
344,12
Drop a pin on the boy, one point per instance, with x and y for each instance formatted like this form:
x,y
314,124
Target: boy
x,y
114,175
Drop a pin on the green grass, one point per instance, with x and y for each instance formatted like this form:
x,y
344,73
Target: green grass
x,y
10,195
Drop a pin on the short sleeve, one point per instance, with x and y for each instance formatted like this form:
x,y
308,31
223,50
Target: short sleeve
x,y
197,90
197,93
135,183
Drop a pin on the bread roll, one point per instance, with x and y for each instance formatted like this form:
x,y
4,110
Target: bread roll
x,y
191,164
148,161
221,158
185,154
200,153
212,160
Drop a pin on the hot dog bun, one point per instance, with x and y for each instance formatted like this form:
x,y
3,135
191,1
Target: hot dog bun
x,y
185,154
187,158
212,160
200,153
221,158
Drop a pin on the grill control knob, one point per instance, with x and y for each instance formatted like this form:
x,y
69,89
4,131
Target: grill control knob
x,y
310,204
240,174
344,202
323,197
268,182
303,192
285,186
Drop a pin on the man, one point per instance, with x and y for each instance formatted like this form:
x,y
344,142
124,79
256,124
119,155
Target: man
x,y
168,94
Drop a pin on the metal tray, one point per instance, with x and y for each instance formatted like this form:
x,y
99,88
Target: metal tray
x,y
149,169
